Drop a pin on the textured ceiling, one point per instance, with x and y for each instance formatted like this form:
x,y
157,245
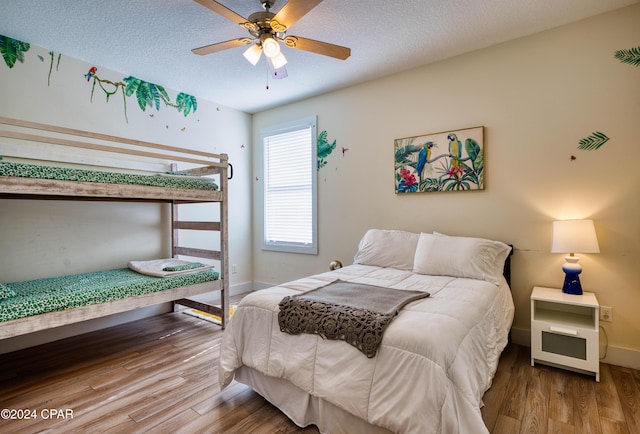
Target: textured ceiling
x,y
152,39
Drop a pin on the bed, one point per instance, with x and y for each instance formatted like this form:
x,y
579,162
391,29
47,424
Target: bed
x,y
436,359
41,161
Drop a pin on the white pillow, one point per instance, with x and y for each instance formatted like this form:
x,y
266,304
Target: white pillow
x,y
474,258
387,248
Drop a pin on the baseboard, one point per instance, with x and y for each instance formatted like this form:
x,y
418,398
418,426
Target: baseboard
x,y
241,288
625,357
622,357
262,285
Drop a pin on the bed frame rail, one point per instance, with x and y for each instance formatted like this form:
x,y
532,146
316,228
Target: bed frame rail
x,y
118,145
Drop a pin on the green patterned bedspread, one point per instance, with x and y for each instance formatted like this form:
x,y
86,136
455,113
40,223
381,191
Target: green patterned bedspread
x,y
68,174
34,297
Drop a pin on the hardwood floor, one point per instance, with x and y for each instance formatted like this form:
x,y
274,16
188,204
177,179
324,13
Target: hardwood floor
x,y
541,399
160,375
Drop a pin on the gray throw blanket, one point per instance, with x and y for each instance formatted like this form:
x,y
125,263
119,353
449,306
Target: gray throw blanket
x,y
353,312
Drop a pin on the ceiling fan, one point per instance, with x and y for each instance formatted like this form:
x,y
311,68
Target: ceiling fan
x,y
267,29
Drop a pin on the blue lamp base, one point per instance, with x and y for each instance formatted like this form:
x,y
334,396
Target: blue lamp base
x,y
572,284
572,276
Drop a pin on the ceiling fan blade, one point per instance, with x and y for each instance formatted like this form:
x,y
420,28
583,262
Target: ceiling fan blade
x,y
223,10
318,47
293,10
214,48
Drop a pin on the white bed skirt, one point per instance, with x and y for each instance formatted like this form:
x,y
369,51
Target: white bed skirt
x,y
304,409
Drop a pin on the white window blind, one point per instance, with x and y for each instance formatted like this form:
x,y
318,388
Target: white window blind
x,y
289,157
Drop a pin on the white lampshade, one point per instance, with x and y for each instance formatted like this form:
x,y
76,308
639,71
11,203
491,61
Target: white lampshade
x,y
279,61
574,236
277,73
270,46
252,54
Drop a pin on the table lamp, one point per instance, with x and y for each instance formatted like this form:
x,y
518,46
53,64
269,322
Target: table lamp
x,y
573,236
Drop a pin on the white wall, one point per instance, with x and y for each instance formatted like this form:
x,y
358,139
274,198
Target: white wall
x,y
536,97
51,238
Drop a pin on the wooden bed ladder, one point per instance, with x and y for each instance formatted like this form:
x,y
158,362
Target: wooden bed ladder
x,y
221,255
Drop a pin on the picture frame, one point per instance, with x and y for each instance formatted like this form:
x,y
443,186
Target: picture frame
x,y
445,161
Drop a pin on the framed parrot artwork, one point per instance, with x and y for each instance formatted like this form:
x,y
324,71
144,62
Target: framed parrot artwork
x,y
446,161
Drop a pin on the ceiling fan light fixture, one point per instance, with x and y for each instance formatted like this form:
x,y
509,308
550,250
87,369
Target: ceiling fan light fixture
x,y
270,47
279,60
277,73
252,54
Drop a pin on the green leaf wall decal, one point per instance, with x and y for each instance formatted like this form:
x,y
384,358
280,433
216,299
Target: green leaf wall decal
x,y
132,85
147,94
594,141
630,56
12,50
163,94
185,103
324,149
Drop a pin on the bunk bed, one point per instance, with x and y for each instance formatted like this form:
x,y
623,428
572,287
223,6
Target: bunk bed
x,y
127,170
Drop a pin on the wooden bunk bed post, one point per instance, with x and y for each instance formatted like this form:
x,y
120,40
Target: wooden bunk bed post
x,y
174,234
224,240
174,219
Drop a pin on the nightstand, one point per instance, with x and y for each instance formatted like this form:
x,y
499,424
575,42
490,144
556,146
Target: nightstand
x,y
565,330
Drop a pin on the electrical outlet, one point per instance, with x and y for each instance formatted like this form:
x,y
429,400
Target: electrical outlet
x,y
606,313
234,268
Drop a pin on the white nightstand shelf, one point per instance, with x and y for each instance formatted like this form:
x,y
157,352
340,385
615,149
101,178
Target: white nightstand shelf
x,y
565,330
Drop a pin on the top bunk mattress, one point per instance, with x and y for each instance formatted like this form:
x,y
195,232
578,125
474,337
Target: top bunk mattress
x,y
33,297
168,180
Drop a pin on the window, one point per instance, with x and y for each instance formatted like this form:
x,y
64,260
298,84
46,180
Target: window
x,y
289,179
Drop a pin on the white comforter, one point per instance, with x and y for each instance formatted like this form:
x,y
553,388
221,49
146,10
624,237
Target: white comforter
x,y
436,360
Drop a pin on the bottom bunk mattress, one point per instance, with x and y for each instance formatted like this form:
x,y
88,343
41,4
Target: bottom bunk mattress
x,y
34,297
436,360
